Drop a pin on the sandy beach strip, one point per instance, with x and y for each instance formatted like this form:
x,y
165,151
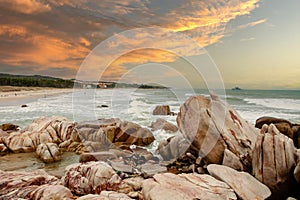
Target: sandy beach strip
x,y
12,96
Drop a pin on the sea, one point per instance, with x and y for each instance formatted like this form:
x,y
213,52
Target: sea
x,y
136,105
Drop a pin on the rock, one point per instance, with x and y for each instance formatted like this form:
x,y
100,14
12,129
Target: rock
x,y
103,106
164,125
91,178
209,127
97,156
244,185
297,173
284,126
232,161
42,130
105,195
48,152
270,120
185,186
57,192
21,184
296,131
108,131
149,170
24,106
9,127
120,166
134,182
162,110
274,160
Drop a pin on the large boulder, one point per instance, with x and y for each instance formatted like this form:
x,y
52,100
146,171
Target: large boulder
x,y
42,130
48,152
274,160
57,192
91,178
185,186
162,110
108,131
209,127
164,125
22,184
244,185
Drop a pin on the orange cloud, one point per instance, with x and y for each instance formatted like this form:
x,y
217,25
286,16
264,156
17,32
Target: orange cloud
x,y
26,6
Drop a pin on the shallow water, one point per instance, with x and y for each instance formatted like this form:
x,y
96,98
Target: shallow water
x,y
29,162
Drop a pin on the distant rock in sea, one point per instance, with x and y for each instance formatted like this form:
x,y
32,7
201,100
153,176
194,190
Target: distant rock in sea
x,y
236,88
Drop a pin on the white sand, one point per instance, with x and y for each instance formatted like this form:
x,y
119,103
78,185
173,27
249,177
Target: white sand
x,y
21,95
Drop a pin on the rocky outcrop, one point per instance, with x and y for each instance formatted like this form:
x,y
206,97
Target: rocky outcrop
x,y
274,159
297,173
91,178
185,186
22,184
284,126
209,127
162,110
42,130
48,152
164,125
244,185
114,131
97,156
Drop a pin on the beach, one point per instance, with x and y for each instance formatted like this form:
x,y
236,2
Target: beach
x,y
17,96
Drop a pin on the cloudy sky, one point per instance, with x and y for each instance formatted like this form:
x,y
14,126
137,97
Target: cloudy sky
x,y
253,43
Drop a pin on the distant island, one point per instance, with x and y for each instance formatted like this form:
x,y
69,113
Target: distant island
x,y
236,88
48,81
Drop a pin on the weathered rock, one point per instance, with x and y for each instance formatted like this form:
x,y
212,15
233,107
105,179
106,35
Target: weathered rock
x,y
149,170
42,130
297,173
185,186
121,166
164,125
232,161
21,184
269,120
162,110
91,177
97,156
57,192
48,152
274,159
9,127
108,131
135,182
284,126
209,127
244,185
296,131
105,195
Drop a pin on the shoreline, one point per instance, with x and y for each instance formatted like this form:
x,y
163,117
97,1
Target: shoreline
x,y
14,96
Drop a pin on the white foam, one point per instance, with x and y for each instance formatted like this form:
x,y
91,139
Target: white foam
x,y
289,104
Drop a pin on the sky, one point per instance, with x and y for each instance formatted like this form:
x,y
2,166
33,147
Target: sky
x,y
253,44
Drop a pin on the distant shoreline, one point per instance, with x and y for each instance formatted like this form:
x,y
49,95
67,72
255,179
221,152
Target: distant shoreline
x,y
14,96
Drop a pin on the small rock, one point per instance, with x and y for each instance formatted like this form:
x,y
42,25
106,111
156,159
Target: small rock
x,y
9,127
105,195
164,125
149,170
57,192
162,110
97,156
232,161
121,166
24,106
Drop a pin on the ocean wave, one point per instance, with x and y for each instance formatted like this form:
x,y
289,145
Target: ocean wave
x,y
288,104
